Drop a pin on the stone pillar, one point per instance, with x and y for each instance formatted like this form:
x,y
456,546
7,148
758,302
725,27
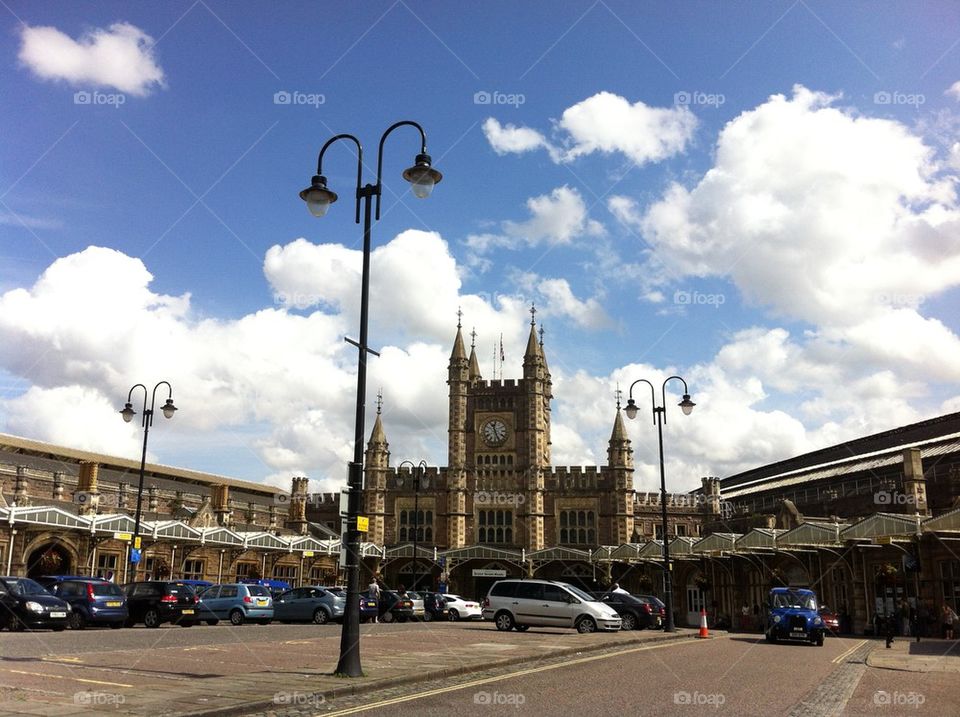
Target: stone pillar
x,y
20,489
297,513
711,496
914,484
221,504
122,495
153,499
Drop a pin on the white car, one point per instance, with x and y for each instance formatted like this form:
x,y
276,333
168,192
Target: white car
x,y
460,609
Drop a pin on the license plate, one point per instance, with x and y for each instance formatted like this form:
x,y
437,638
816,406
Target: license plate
x,y
188,612
114,603
371,604
261,601
58,614
798,634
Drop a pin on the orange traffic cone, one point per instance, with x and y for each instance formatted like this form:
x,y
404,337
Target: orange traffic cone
x,y
703,624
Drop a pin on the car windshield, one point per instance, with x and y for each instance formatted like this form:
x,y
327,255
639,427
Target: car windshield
x,y
105,589
792,599
258,590
580,593
25,586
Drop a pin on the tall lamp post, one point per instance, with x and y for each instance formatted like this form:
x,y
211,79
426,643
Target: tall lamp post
x,y
423,177
128,413
419,481
659,418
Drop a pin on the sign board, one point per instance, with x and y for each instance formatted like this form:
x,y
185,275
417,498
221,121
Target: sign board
x,y
308,553
363,523
123,536
344,501
136,542
882,539
485,573
134,556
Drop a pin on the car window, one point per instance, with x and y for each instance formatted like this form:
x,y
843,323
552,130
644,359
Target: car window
x,y
229,591
26,586
105,589
71,589
553,593
211,593
579,593
144,590
529,591
258,590
504,589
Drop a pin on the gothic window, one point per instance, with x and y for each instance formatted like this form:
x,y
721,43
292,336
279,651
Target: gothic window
x,y
285,572
681,529
577,527
107,565
495,526
193,570
244,570
423,528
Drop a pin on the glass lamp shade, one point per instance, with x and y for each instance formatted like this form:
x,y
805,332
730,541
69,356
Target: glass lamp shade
x,y
169,409
686,404
128,413
318,197
422,176
631,409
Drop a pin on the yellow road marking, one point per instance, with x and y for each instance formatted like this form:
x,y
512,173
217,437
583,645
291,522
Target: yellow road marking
x,y
840,658
298,642
487,680
55,658
66,677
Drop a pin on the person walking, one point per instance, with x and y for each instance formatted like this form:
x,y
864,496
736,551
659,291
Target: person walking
x,y
905,614
374,591
949,618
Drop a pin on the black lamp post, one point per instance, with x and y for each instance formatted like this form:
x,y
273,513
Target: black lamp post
x,y
419,481
659,418
318,198
128,413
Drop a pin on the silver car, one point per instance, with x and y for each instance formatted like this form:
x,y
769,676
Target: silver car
x,y
417,600
546,603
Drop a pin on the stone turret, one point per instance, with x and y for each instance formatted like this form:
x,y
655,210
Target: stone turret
x,y
914,484
221,504
711,496
458,379
297,511
620,467
537,432
377,463
88,489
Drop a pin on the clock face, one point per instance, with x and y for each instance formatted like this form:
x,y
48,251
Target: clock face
x,y
494,432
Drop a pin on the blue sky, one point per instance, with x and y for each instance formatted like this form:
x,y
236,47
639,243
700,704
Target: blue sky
x,y
633,173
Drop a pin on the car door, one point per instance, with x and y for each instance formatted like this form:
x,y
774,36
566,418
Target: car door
x,y
558,607
227,600
208,603
528,604
283,606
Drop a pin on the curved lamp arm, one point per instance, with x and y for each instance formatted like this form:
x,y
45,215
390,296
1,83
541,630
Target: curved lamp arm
x,y
383,138
321,181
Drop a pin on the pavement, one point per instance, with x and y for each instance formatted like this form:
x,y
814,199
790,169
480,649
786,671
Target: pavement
x,y
908,655
267,675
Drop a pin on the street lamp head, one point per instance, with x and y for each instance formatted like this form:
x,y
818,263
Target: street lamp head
x,y
317,196
422,176
686,404
631,409
169,409
128,413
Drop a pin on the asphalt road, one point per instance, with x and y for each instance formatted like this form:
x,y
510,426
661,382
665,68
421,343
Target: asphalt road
x,y
737,675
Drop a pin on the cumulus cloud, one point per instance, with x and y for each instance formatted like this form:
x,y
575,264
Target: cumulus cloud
x,y
121,57
605,123
954,90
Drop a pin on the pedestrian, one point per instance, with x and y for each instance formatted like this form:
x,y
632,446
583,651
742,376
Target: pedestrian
x,y
615,588
374,591
745,617
905,617
949,617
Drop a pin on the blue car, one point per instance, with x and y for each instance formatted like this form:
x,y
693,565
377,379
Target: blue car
x,y
792,614
236,602
93,601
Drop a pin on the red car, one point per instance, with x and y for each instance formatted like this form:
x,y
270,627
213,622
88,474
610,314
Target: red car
x,y
831,621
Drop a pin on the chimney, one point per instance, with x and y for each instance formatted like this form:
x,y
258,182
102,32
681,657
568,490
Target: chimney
x,y
914,484
297,514
88,491
58,485
20,495
152,499
221,504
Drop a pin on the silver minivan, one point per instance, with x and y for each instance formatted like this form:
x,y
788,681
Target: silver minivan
x,y
546,603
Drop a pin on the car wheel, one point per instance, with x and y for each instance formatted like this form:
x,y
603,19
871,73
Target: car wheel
x,y
387,616
628,621
236,617
586,624
402,618
151,618
453,616
771,637
521,628
504,621
320,617
187,624
76,621
116,625
820,640
212,622
428,616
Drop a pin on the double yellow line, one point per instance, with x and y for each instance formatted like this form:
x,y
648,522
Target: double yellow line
x,y
844,655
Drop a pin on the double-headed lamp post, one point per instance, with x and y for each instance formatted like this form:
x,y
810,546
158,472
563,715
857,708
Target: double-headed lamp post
x,y
423,177
128,413
418,475
659,418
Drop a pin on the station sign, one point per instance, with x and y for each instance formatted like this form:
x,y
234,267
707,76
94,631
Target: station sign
x,y
486,573
123,536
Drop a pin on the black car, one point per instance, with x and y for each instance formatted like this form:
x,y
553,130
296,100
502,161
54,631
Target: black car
x,y
155,602
434,606
635,612
25,603
394,607
94,601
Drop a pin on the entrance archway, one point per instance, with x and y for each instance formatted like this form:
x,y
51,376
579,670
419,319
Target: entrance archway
x,y
49,559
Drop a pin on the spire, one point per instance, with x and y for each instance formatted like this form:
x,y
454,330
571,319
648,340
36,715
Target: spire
x,y
377,435
533,348
619,453
474,364
458,351
619,431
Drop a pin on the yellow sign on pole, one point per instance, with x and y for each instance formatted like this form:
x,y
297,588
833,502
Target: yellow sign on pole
x,y
363,524
123,536
136,543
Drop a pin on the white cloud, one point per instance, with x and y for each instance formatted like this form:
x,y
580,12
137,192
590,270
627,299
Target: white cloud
x,y
121,57
954,90
561,302
604,123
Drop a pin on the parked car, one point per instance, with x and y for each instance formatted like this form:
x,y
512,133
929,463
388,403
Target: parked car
x,y
831,621
460,609
307,604
276,587
635,613
24,603
154,602
434,606
792,615
369,607
394,607
236,602
657,608
417,600
522,603
93,601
